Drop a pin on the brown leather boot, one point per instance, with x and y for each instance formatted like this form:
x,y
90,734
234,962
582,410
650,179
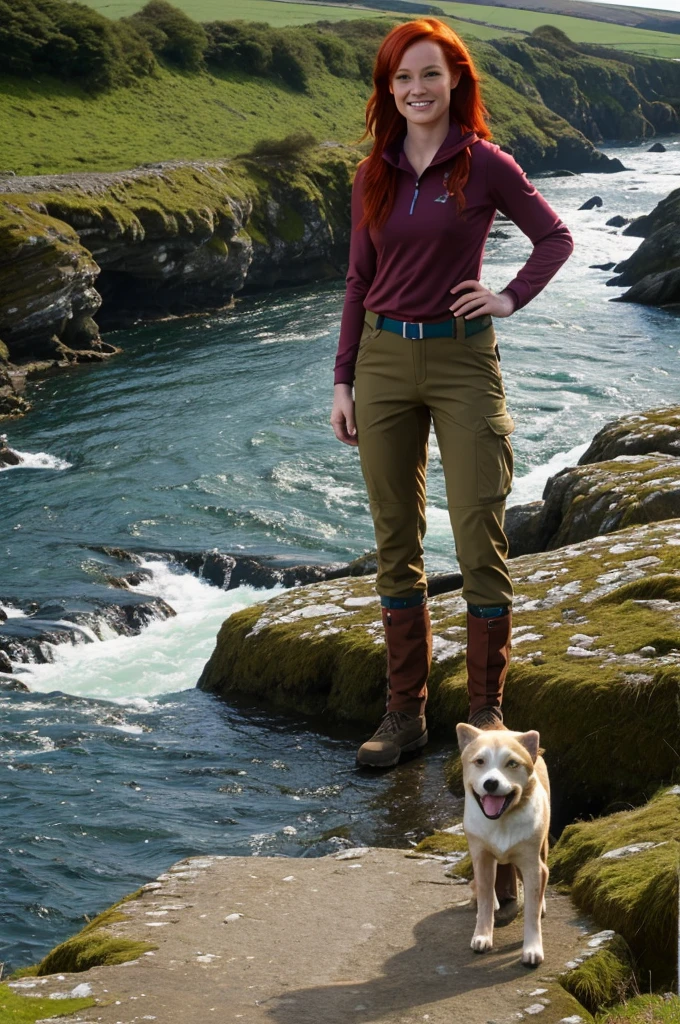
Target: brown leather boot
x,y
488,657
408,637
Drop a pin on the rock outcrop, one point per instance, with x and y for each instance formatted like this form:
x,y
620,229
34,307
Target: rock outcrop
x,y
653,271
623,870
596,658
605,94
629,474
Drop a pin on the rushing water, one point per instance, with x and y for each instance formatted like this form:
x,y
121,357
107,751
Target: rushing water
x,y
213,432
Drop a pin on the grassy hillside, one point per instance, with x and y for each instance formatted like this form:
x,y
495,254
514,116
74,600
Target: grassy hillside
x,y
483,22
52,127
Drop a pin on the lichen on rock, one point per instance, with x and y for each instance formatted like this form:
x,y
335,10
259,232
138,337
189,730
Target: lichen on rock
x,y
596,660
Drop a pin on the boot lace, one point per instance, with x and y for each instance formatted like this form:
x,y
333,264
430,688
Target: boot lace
x,y
394,721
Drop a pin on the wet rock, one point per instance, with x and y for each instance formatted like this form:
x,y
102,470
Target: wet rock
x,y
653,270
590,204
658,147
657,430
320,650
617,222
5,663
602,266
10,683
31,638
524,529
8,457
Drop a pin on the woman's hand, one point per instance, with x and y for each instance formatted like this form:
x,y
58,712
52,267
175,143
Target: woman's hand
x,y
342,415
479,300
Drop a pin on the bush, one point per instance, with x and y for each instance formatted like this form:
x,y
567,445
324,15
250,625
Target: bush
x,y
70,41
172,34
291,147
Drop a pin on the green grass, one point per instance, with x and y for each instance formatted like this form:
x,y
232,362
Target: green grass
x,y
18,1009
580,30
50,127
499,20
644,1010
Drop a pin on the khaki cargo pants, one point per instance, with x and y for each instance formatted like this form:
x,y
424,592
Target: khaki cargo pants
x,y
402,386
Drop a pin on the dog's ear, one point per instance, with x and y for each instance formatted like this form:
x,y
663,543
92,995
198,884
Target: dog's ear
x,y
531,741
466,734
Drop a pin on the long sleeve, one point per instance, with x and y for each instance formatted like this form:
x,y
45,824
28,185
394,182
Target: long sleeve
x,y
516,197
362,263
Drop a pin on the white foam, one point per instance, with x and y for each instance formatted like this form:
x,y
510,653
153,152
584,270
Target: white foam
x,y
530,486
38,460
166,657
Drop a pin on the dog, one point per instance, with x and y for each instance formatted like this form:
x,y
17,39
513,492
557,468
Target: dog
x,y
506,820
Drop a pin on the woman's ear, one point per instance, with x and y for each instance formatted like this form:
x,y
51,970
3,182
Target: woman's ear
x,y
455,78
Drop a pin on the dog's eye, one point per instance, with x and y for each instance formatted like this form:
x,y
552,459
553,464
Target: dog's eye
x,y
479,760
512,764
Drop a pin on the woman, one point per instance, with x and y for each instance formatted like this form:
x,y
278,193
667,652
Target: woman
x,y
417,342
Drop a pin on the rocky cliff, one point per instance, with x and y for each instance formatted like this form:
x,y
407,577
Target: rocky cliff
x,y
157,241
653,271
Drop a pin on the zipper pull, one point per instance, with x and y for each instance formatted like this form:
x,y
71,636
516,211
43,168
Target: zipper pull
x,y
415,196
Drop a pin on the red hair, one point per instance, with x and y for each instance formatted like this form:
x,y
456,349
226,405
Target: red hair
x,y
386,124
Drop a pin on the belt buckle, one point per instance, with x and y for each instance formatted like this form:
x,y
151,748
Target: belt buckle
x,y
418,337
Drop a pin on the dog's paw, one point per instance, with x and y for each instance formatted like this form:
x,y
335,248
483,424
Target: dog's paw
x,y
532,956
481,943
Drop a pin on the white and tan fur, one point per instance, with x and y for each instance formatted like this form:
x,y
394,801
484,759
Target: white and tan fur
x,y
511,766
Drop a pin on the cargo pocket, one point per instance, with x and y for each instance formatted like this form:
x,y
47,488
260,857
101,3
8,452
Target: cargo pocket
x,y
495,459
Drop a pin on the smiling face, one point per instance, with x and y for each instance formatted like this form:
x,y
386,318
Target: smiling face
x,y
422,84
498,765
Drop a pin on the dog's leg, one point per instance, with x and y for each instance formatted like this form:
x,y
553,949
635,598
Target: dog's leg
x,y
535,876
544,860
484,865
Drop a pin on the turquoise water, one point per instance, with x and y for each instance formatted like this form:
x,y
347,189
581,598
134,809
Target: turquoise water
x,y
213,432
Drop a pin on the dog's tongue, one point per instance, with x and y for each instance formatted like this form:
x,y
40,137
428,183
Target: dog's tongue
x,y
492,805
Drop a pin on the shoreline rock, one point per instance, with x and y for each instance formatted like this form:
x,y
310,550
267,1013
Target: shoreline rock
x,y
653,270
629,474
596,640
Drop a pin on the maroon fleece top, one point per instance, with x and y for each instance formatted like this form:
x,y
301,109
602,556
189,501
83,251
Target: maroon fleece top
x,y
405,269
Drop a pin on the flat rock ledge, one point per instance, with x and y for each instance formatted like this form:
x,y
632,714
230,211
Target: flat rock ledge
x,y
369,935
595,665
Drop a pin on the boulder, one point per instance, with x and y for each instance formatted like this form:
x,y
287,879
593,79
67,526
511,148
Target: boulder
x,y
596,662
618,221
622,869
653,270
658,147
595,201
8,457
657,430
602,266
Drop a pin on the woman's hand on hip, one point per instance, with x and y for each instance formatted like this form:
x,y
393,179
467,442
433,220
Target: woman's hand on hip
x,y
479,300
342,415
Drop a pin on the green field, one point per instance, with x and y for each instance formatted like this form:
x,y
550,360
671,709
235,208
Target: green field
x,y
581,30
500,20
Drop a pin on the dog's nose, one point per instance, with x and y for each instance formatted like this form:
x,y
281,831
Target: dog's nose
x,y
491,785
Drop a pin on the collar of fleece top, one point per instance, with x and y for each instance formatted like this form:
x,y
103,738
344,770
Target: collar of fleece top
x,y
454,142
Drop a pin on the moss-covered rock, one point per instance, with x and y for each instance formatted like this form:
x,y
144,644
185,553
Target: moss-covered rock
x,y
623,870
596,660
603,974
601,92
585,501
96,945
657,430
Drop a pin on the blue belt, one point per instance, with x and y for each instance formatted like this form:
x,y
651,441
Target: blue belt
x,y
441,329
